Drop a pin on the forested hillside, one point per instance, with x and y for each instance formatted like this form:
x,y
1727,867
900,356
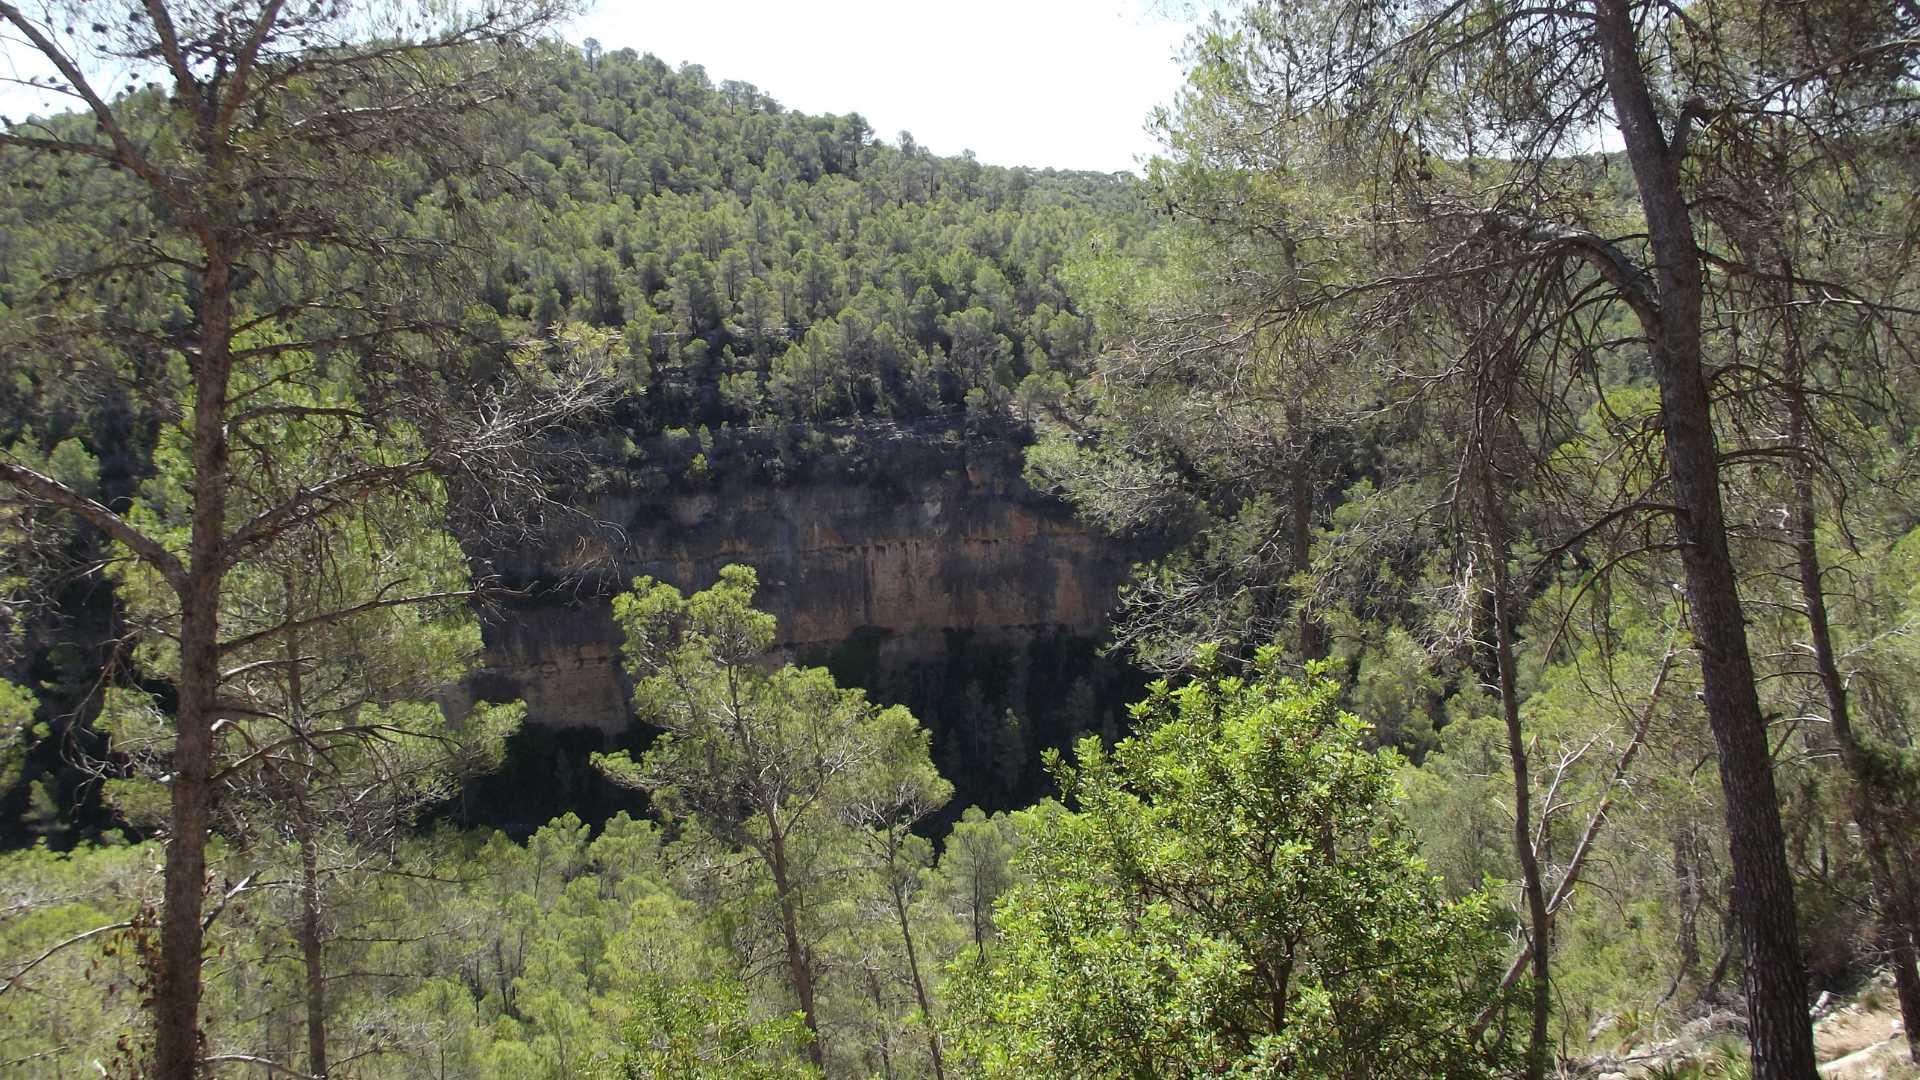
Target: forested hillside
x,y
768,266
786,287
764,266
1520,399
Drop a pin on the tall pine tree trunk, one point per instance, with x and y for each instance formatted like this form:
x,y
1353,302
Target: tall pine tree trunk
x,y
177,983
1762,883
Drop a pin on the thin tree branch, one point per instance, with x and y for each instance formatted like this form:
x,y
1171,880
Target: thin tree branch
x,y
52,492
14,979
348,612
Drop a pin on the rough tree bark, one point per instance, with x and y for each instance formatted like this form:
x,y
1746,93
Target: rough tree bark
x,y
1762,883
177,983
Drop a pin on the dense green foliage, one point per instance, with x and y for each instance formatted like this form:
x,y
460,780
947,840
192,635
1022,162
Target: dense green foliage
x,y
1235,896
782,770
649,950
778,278
1589,466
770,267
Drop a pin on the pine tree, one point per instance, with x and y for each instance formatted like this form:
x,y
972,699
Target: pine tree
x,y
246,210
775,765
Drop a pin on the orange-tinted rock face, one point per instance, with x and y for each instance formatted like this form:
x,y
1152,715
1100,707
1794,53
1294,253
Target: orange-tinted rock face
x,y
948,539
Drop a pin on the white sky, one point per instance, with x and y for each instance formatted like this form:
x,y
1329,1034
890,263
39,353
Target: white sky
x,y
1060,83
1064,83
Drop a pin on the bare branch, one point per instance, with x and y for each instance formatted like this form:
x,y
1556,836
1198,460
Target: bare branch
x,y
52,492
266,1063
14,979
331,617
128,154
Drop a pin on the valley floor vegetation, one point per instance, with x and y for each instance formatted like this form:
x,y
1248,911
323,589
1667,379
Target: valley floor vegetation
x,y
1237,892
1515,400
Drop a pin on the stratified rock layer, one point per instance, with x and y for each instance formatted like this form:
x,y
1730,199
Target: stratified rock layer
x,y
922,540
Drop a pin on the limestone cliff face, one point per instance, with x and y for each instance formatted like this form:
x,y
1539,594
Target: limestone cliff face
x,y
927,539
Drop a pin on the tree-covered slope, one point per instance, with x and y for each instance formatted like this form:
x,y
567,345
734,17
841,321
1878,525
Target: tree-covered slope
x,y
772,274
766,264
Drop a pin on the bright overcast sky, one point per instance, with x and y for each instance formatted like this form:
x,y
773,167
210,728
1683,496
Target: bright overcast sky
x,y
1061,83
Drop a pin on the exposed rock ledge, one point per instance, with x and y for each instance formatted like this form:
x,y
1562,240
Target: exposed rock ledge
x,y
941,536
